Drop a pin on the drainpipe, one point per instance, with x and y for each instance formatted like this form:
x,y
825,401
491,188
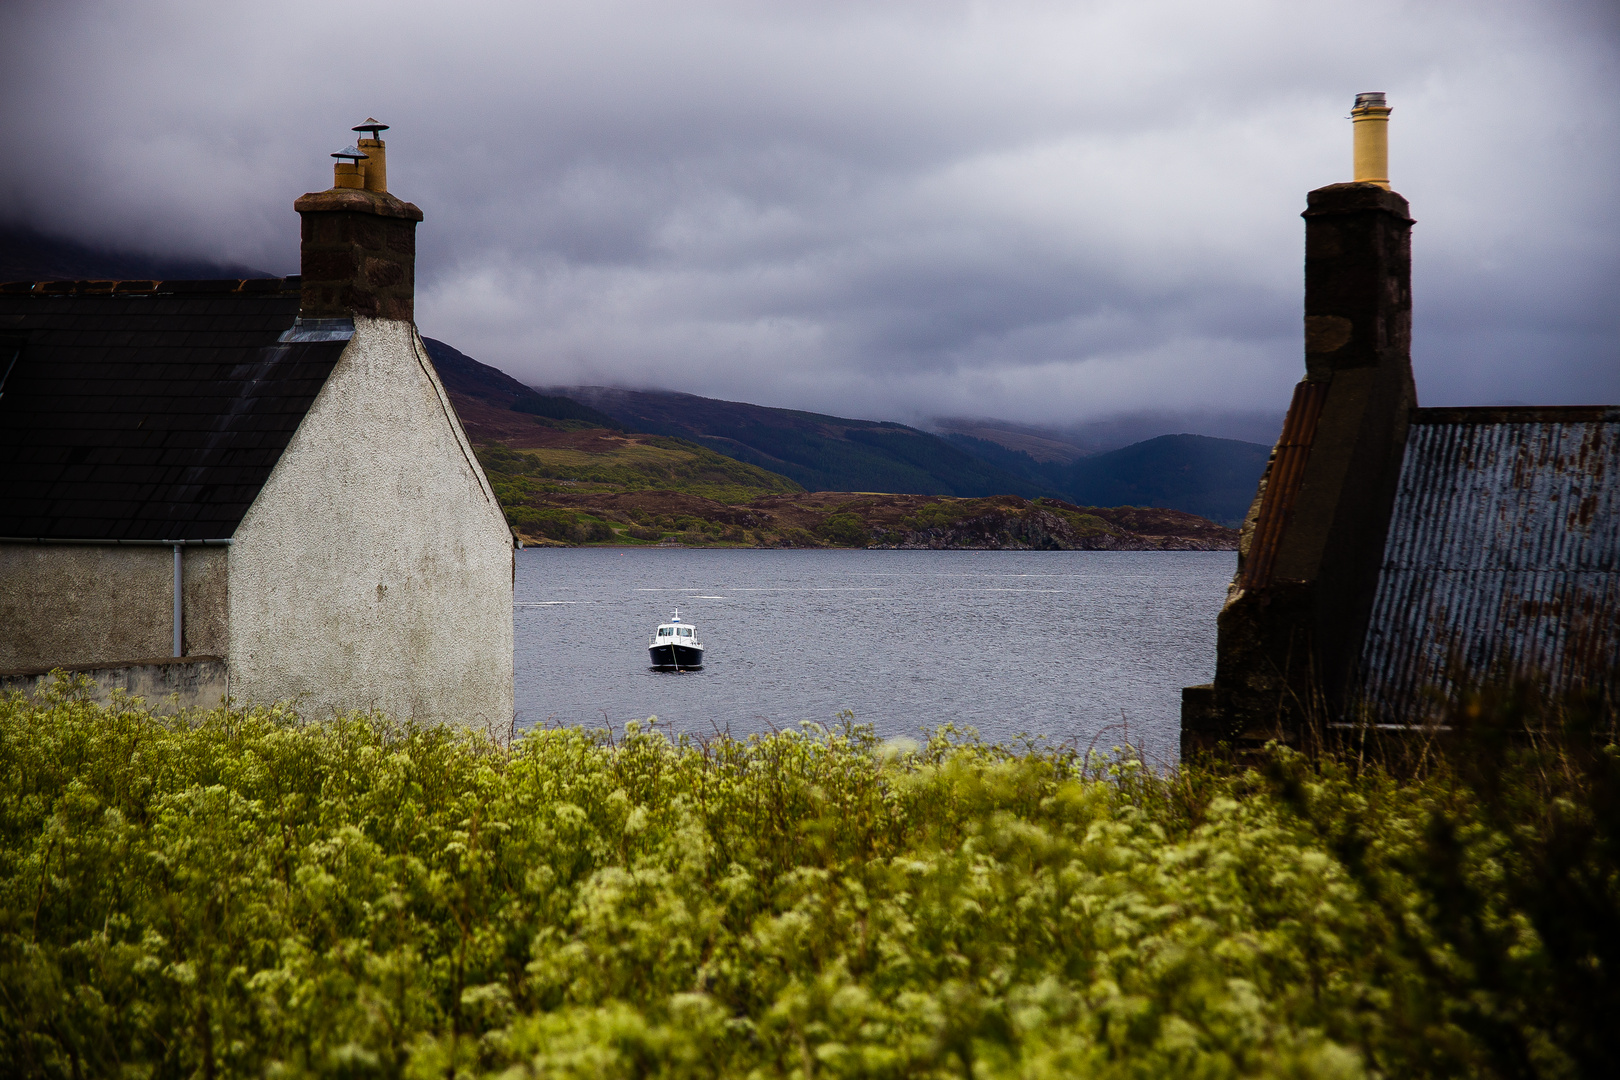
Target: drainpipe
x,y
177,600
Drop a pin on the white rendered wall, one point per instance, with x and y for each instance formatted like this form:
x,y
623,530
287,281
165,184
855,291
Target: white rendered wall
x,y
374,570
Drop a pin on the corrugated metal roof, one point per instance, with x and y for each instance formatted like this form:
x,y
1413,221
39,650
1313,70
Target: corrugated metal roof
x,y
1503,553
1282,483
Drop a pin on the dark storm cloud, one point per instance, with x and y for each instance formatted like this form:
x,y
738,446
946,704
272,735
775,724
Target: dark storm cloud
x,y
1046,212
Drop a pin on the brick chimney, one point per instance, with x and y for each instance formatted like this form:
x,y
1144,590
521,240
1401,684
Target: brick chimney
x,y
359,242
1291,632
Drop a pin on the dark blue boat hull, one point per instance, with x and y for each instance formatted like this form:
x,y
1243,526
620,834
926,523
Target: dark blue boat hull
x,y
675,656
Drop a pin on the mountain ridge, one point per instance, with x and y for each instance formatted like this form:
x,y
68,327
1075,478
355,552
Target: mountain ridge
x,y
818,451
1211,477
562,481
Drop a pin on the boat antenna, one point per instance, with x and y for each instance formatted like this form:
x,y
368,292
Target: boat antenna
x,y
677,617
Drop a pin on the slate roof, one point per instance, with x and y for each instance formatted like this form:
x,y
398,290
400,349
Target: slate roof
x,y
1503,553
147,411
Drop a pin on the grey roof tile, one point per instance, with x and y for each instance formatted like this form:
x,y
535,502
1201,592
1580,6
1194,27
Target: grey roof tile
x,y
152,411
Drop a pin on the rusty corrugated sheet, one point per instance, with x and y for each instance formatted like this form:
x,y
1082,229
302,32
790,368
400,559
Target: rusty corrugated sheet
x,y
1283,480
1503,553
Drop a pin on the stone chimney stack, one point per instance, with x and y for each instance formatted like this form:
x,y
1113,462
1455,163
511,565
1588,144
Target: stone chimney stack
x,y
359,242
1291,632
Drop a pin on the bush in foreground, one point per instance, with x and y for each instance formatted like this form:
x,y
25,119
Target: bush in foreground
x,y
242,894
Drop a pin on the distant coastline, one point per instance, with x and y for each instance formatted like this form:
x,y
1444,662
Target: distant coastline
x,y
863,520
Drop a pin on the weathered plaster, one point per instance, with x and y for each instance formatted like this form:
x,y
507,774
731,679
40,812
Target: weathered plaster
x,y
204,622
64,604
374,570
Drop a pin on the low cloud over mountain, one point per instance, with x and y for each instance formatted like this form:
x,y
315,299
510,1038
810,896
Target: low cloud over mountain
x,y
1044,212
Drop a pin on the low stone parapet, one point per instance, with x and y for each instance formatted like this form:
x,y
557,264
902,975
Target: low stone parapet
x,y
182,682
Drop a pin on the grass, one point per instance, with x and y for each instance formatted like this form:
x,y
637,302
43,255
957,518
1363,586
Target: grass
x,y
645,463
247,893
523,479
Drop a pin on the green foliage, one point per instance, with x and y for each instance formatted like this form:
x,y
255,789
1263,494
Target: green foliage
x,y
240,893
943,515
653,463
1082,523
843,528
564,525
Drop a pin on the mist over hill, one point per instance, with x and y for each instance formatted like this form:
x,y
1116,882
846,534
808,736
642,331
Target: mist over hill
x,y
1066,442
1210,477
1213,478
27,254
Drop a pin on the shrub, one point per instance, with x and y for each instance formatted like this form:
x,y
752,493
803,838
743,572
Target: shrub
x,y
843,528
563,525
240,893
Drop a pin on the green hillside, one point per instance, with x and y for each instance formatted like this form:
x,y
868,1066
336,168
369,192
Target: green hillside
x,y
594,465
541,488
821,453
641,463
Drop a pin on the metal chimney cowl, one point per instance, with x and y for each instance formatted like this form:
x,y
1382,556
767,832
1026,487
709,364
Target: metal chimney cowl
x,y
358,245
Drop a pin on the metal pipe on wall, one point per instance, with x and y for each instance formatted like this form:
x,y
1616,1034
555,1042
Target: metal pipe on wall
x,y
178,597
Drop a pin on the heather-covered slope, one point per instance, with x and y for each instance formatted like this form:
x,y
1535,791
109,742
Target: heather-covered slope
x,y
822,453
572,473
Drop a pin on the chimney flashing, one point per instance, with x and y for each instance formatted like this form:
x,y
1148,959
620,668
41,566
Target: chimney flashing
x,y
318,330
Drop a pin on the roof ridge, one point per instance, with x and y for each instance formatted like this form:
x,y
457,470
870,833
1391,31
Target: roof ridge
x,y
292,283
1517,414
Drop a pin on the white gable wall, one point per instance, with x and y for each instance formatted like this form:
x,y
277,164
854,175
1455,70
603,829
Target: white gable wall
x,y
374,570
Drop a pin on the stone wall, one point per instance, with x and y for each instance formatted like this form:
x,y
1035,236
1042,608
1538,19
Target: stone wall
x,y
165,684
358,255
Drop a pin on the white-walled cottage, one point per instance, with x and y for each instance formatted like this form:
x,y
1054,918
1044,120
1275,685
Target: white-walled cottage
x,y
255,487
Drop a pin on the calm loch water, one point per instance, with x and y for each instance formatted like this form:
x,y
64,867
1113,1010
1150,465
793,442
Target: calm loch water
x,y
1060,644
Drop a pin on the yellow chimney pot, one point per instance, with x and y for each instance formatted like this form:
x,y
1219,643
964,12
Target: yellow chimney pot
x,y
348,174
1370,123
375,167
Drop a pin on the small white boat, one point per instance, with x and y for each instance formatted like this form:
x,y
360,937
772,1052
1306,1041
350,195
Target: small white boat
x,y
675,645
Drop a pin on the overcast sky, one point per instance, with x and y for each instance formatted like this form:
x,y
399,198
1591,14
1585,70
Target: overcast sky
x,y
1046,212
